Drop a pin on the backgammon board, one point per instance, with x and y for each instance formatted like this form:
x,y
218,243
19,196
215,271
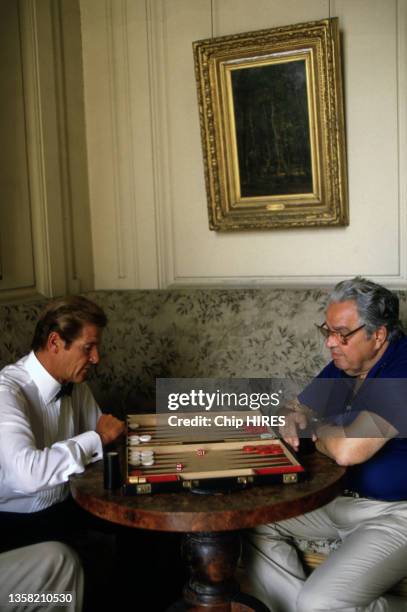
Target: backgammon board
x,y
160,458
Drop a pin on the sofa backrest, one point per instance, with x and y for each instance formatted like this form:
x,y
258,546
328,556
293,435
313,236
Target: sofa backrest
x,y
196,333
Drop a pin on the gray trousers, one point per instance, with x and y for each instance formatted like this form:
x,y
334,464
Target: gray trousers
x,y
49,567
372,557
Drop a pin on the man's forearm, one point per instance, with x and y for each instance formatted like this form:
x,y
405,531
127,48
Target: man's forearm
x,y
332,441
347,446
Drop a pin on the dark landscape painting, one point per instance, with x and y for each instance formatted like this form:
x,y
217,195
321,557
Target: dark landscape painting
x,y
272,129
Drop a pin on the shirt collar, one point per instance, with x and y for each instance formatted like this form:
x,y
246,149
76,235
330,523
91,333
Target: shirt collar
x,y
48,387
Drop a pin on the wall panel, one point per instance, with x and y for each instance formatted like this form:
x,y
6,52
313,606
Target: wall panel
x,y
44,205
164,237
16,251
119,139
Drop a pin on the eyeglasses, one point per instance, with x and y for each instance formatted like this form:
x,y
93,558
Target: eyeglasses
x,y
343,338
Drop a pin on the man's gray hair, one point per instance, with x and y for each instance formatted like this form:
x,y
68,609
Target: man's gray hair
x,y
376,305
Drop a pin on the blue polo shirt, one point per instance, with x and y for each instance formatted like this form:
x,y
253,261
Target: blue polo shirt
x,y
384,392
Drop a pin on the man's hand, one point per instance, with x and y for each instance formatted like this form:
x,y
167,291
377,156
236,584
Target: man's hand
x,y
109,428
293,421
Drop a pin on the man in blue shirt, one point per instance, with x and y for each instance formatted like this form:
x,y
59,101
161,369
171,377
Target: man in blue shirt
x,y
357,407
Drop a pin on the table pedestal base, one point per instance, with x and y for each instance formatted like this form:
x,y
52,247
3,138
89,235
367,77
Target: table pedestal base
x,y
212,559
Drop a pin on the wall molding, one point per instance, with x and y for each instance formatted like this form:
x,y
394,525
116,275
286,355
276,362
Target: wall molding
x,y
45,105
401,28
47,145
114,50
51,56
121,126
163,198
35,148
300,281
71,261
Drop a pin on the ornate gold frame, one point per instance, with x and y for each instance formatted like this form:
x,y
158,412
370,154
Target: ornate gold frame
x,y
325,203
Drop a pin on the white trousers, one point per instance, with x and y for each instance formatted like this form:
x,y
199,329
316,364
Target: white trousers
x,y
372,557
49,567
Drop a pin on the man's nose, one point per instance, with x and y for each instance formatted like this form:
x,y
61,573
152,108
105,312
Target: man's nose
x,y
332,341
94,355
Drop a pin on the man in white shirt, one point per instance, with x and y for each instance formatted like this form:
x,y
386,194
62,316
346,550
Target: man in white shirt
x,y
45,434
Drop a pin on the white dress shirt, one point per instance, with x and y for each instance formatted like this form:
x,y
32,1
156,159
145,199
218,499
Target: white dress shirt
x,y
42,440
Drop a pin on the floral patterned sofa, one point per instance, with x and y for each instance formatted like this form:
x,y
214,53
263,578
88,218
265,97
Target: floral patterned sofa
x,y
194,333
206,333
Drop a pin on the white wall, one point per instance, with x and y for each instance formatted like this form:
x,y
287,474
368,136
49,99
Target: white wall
x,y
148,201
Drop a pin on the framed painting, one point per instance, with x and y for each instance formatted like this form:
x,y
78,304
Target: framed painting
x,y
272,127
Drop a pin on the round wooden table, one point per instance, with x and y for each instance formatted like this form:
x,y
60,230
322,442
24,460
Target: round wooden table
x,y
211,523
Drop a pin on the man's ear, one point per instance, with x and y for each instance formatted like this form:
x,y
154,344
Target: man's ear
x,y
54,342
381,335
